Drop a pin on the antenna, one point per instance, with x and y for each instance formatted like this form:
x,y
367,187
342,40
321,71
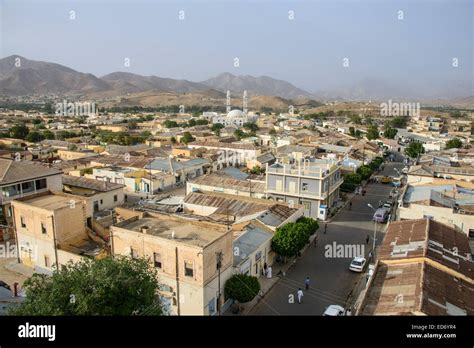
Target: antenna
x,y
245,102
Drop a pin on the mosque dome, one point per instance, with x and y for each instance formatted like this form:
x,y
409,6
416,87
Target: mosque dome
x,y
235,113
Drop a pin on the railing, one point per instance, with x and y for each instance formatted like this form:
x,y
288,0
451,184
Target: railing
x,y
4,200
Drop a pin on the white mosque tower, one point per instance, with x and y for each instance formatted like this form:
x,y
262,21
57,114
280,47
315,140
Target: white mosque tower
x,y
235,117
245,109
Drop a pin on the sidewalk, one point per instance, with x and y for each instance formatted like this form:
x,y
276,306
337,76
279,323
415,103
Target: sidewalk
x,y
266,284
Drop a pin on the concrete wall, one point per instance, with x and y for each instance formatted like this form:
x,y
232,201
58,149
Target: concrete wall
x,y
440,214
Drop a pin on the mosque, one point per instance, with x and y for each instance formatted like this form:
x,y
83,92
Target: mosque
x,y
233,117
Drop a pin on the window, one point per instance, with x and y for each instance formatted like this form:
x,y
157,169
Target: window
x,y
115,198
101,201
43,229
157,260
134,252
40,184
9,211
188,269
307,205
22,220
46,261
304,186
279,185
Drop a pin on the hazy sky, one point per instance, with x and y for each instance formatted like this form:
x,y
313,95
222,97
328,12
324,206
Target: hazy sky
x,y
307,51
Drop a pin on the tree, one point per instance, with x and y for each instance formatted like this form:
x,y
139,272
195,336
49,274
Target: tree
x,y
47,134
355,119
351,181
365,172
216,128
289,239
351,131
372,132
187,138
390,133
170,124
241,287
414,149
173,140
454,143
399,122
34,137
257,170
19,131
118,286
252,126
310,224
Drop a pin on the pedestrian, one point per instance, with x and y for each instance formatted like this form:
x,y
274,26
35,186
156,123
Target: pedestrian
x,y
306,283
315,241
325,227
350,205
367,240
300,295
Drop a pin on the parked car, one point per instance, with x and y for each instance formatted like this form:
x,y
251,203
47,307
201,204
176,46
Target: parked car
x,y
334,311
358,264
386,180
394,193
388,204
381,215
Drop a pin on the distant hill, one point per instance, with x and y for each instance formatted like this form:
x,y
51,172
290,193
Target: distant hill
x,y
35,77
262,85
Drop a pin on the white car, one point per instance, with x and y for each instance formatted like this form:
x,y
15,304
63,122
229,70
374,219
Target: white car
x,y
387,204
405,170
357,264
334,311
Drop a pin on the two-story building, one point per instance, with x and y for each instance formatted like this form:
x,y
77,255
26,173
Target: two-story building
x,y
313,183
193,258
20,179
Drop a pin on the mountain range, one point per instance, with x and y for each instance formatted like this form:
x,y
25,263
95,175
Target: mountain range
x,y
20,76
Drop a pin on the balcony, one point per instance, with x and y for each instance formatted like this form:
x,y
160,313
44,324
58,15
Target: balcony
x,y
306,194
5,200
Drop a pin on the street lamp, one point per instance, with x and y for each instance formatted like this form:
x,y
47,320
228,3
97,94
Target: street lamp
x,y
375,230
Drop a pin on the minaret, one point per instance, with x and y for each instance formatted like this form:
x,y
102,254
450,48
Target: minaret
x,y
228,102
245,102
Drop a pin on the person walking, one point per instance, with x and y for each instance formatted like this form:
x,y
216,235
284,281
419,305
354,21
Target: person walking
x,y
306,283
350,205
325,227
367,240
300,295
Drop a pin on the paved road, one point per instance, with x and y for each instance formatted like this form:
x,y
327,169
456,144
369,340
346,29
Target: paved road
x,y
331,281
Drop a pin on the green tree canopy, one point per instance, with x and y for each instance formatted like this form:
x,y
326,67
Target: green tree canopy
x,y
365,172
414,149
454,143
19,131
390,133
252,126
119,286
241,287
399,122
372,132
34,137
310,224
187,138
290,238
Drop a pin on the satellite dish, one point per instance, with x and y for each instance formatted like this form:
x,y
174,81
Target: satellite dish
x,y
291,203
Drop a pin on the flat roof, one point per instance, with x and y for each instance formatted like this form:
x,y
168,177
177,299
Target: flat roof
x,y
185,231
50,201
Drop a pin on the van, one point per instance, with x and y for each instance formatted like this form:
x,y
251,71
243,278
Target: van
x,y
381,215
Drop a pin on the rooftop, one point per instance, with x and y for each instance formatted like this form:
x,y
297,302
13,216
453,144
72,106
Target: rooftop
x,y
224,181
15,171
91,184
181,230
50,201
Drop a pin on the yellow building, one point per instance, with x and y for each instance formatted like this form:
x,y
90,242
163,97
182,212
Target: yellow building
x,y
51,231
185,253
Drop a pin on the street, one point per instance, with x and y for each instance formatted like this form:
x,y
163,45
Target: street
x,y
331,280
